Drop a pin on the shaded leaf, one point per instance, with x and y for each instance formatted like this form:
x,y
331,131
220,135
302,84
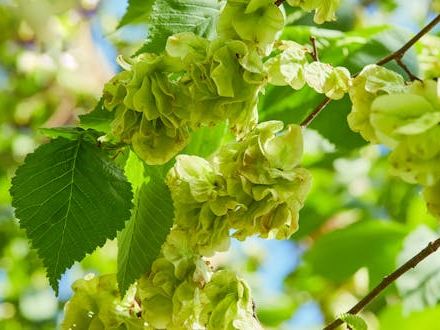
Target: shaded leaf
x,y
372,244
321,201
152,217
98,119
420,286
206,140
340,135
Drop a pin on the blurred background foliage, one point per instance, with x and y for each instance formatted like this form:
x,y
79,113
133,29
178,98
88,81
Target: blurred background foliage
x,y
359,223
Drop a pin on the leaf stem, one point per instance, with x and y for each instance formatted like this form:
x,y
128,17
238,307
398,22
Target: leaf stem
x,y
413,262
395,56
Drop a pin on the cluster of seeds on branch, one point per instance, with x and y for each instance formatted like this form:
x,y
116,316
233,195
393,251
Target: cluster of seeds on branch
x,y
404,117
289,66
96,304
247,188
429,56
160,99
324,9
251,186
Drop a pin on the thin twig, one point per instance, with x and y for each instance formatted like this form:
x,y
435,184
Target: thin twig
x,y
405,68
400,52
314,53
396,56
413,262
315,112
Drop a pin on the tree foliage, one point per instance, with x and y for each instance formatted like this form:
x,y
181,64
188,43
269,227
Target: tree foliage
x,y
231,119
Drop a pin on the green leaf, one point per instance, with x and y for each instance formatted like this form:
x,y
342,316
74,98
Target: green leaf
x,y
70,133
382,44
152,217
354,321
206,140
137,11
135,171
99,119
321,201
372,244
394,317
276,310
169,17
342,136
396,197
70,198
420,286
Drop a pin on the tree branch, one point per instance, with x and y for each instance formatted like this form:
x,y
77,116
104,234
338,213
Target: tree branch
x,y
405,68
314,54
315,112
398,54
395,56
413,262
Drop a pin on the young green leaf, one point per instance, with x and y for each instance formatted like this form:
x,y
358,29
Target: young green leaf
x,y
70,198
140,242
354,321
137,11
419,287
99,119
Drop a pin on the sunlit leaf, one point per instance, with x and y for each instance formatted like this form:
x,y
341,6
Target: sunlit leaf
x,y
70,198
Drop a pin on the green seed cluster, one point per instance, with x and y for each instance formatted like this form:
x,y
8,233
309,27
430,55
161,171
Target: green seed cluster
x,y
404,117
160,99
250,187
96,304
